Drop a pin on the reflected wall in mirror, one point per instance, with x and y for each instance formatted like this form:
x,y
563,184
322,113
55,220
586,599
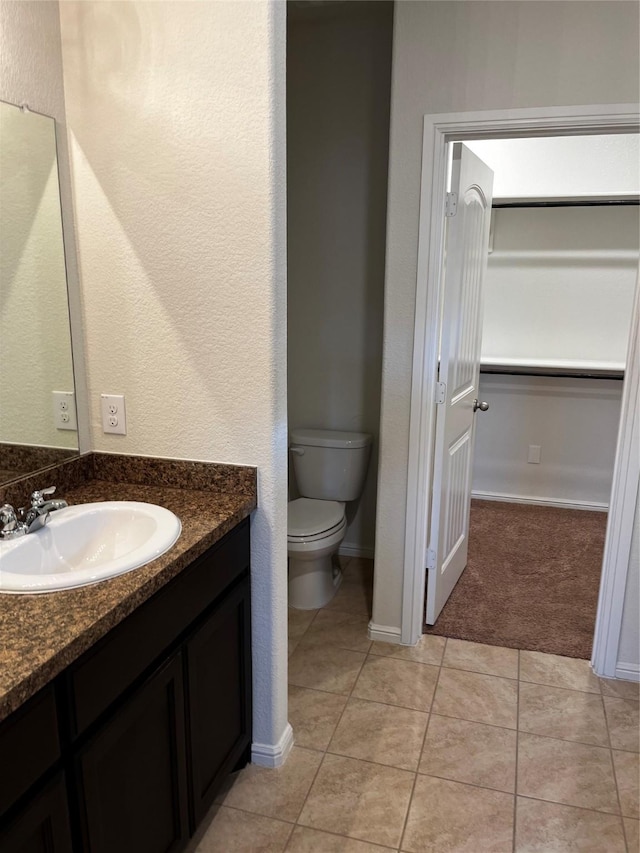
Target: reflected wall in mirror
x,y
35,339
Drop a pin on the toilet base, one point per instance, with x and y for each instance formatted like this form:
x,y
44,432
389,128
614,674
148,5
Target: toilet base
x,y
313,583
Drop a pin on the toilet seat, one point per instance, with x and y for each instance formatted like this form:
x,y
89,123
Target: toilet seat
x,y
311,520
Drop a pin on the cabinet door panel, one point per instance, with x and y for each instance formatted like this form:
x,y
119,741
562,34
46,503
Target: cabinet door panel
x,y
133,772
42,826
28,745
219,690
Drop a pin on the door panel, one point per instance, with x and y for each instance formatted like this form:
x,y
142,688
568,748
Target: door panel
x,y
461,339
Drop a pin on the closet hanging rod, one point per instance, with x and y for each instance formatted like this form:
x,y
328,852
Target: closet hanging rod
x,y
559,373
617,202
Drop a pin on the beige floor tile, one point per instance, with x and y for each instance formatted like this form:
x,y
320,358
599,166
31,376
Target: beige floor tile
x,y
279,792
627,769
574,774
335,628
305,840
551,828
558,671
233,831
620,689
359,569
314,716
472,696
359,799
428,649
299,621
448,817
327,668
470,752
567,714
632,832
623,720
381,733
292,646
354,596
478,657
397,682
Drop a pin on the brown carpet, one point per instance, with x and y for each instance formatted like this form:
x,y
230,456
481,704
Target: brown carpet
x,y
532,579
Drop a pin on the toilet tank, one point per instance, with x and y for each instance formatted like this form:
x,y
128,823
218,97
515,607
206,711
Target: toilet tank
x,y
330,465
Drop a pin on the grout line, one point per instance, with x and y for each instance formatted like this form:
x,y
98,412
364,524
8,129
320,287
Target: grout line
x,y
615,782
515,781
259,814
559,687
325,750
346,837
424,740
567,805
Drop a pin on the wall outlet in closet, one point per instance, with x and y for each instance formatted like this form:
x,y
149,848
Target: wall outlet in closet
x,y
535,454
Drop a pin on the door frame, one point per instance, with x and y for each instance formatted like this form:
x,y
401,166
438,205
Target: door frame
x,y
439,129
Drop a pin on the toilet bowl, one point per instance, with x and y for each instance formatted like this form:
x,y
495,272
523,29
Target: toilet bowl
x,y
330,468
315,530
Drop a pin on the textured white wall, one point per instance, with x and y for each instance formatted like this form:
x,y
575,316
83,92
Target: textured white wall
x,y
470,56
563,166
31,73
559,286
574,421
176,112
338,91
35,345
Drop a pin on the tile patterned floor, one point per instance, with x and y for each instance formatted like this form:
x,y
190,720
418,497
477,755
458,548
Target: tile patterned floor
x,y
447,747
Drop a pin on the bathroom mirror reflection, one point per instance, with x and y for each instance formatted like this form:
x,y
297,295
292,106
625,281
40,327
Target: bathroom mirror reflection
x,y
36,428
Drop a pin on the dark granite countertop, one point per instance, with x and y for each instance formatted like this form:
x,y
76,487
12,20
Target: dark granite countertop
x,y
42,634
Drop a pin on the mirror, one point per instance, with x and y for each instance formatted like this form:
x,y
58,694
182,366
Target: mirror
x,y
36,429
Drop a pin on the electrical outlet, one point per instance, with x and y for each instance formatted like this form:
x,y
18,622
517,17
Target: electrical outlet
x,y
114,418
535,454
64,410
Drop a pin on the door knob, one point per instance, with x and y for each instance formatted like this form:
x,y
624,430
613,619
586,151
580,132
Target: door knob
x,y
482,406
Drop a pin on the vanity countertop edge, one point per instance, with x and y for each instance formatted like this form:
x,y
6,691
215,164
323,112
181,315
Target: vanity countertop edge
x,y
40,635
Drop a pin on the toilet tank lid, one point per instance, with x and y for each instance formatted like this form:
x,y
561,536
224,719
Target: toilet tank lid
x,y
330,438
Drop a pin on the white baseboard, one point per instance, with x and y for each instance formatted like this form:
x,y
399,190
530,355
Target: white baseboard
x,y
273,755
384,633
628,671
348,550
561,503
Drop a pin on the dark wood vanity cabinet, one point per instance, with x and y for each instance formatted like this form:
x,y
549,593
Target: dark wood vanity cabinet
x,y
143,728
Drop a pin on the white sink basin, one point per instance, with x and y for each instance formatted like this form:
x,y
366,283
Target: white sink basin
x,y
85,544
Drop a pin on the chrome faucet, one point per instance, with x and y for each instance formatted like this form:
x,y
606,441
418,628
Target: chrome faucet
x,y
33,518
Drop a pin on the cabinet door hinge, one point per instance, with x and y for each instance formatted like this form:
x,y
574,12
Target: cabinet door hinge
x,y
431,559
452,204
441,392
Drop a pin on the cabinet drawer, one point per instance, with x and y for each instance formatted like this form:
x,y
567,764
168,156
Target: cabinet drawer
x,y
29,745
114,664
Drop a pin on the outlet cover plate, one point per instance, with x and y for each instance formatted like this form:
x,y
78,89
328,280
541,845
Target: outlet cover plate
x,y
64,410
114,418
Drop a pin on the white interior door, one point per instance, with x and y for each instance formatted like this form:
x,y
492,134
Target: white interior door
x,y
468,220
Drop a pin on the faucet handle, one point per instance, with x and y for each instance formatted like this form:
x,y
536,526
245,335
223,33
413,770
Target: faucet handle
x,y
37,498
8,519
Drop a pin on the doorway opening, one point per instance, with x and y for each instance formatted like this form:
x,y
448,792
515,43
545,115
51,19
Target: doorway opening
x,y
557,294
439,130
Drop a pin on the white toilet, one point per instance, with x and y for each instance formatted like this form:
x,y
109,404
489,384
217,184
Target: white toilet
x,y
330,469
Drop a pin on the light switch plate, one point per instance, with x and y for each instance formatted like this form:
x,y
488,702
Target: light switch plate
x,y
64,410
535,454
114,418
